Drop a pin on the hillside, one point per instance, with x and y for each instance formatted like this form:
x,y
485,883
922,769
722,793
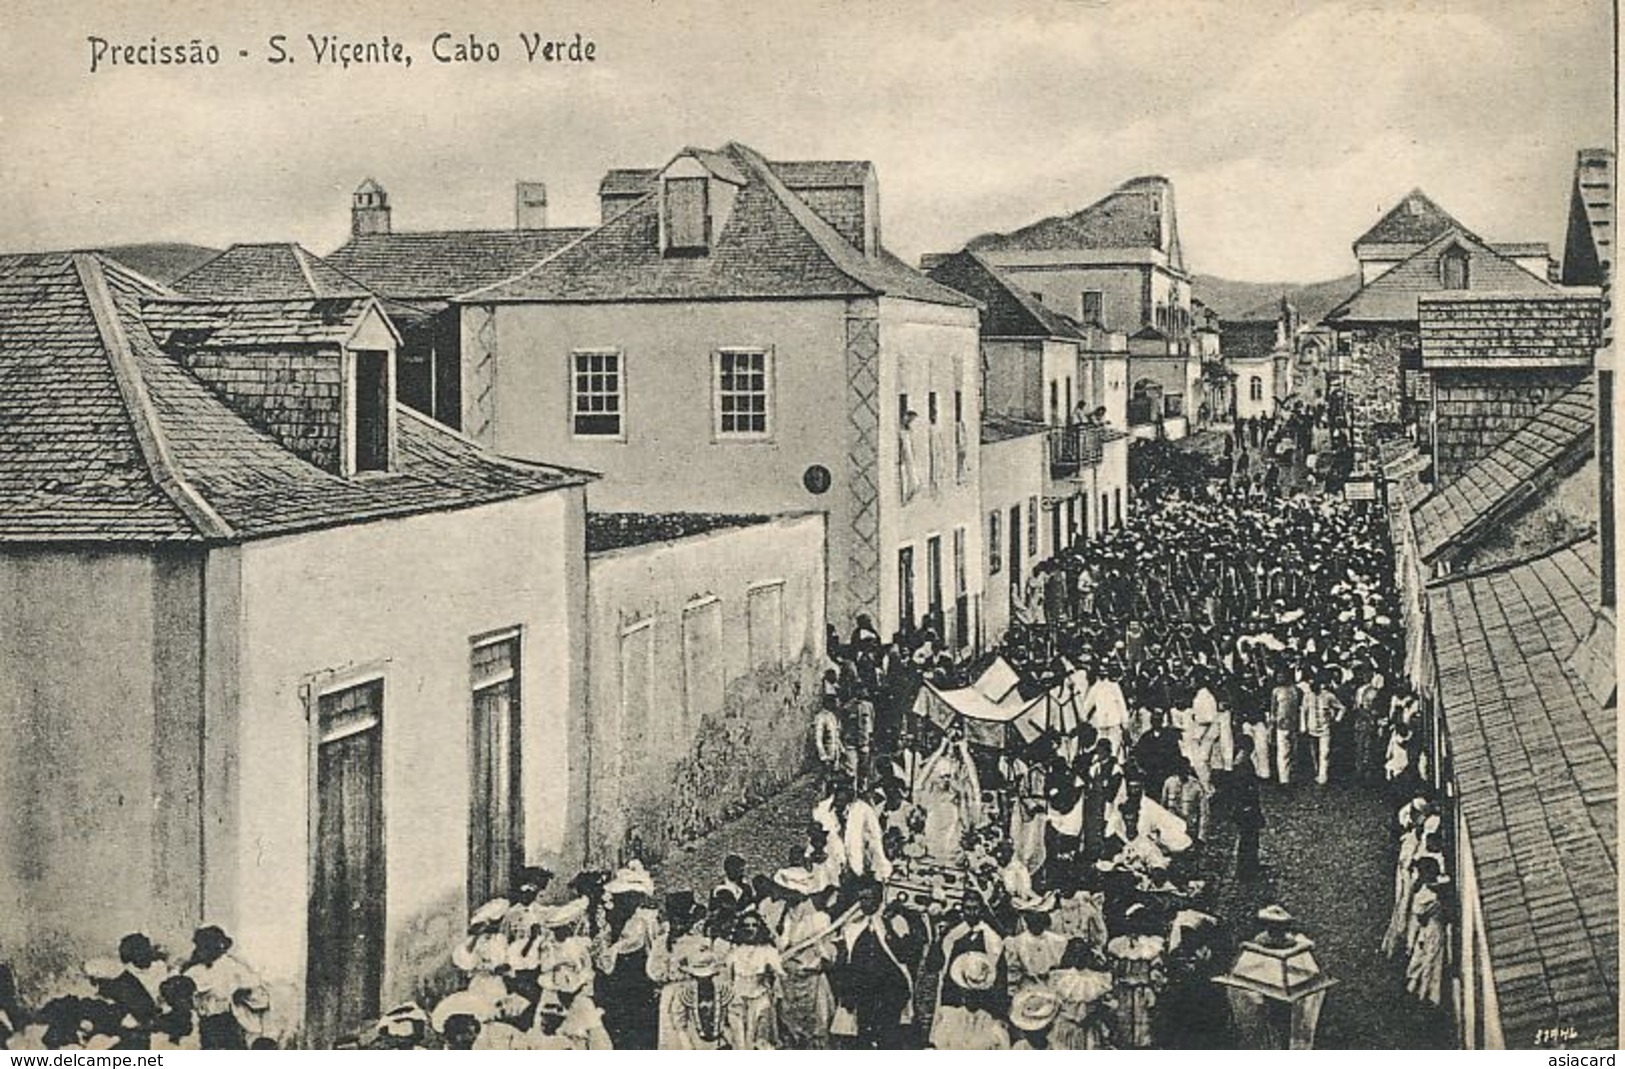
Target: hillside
x,y
1261,300
1312,301
161,261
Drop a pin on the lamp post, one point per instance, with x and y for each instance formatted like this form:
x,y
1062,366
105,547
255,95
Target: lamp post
x,y
1276,987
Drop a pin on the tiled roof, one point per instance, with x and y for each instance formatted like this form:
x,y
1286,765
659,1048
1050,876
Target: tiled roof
x,y
1391,297
1123,219
199,324
621,530
71,463
1551,327
443,263
797,174
108,439
1536,767
1241,339
1415,220
1488,491
1008,310
772,246
275,272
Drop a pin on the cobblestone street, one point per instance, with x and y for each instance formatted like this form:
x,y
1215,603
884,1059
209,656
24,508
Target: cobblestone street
x,y
1327,861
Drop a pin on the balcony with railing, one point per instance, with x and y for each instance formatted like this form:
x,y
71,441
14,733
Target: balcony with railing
x,y
1074,448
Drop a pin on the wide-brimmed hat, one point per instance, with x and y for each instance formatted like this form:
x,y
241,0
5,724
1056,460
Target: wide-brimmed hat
x,y
490,913
462,1002
1032,1009
699,961
487,985
973,971
402,1021
571,912
632,878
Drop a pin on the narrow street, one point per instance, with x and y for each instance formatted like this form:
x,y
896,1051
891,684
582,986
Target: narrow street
x,y
1328,863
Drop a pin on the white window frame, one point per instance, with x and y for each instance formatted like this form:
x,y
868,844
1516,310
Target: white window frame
x,y
575,395
769,388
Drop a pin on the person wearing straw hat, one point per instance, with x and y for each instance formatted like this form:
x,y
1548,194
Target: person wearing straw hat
x,y
807,948
1084,989
625,990
567,1017
695,1005
1032,1013
758,974
1035,951
967,1026
484,949
560,942
218,976
974,933
1137,959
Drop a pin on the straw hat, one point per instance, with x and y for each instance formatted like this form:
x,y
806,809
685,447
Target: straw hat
x,y
699,961
462,1002
564,916
490,913
1032,1009
973,971
633,878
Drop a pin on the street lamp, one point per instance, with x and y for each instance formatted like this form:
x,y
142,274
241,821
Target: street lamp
x,y
1276,987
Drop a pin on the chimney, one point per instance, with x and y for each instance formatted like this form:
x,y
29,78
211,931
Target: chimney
x,y
530,206
369,209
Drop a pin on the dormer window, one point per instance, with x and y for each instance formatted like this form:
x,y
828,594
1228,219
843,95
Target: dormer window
x,y
371,411
687,218
1453,268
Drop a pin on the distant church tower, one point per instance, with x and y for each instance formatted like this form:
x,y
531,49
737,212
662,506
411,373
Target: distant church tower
x,y
369,209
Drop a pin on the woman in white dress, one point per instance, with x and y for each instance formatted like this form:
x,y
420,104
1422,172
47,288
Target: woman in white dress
x,y
950,794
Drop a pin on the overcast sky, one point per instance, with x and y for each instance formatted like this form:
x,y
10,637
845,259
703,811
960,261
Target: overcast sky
x,y
1287,128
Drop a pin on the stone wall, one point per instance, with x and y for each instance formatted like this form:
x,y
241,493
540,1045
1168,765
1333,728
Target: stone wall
x,y
1476,410
704,658
297,397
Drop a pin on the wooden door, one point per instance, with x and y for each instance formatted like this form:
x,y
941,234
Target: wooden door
x,y
495,819
345,960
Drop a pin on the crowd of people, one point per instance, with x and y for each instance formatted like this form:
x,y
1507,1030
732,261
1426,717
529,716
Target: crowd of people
x,y
1055,891
144,1000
